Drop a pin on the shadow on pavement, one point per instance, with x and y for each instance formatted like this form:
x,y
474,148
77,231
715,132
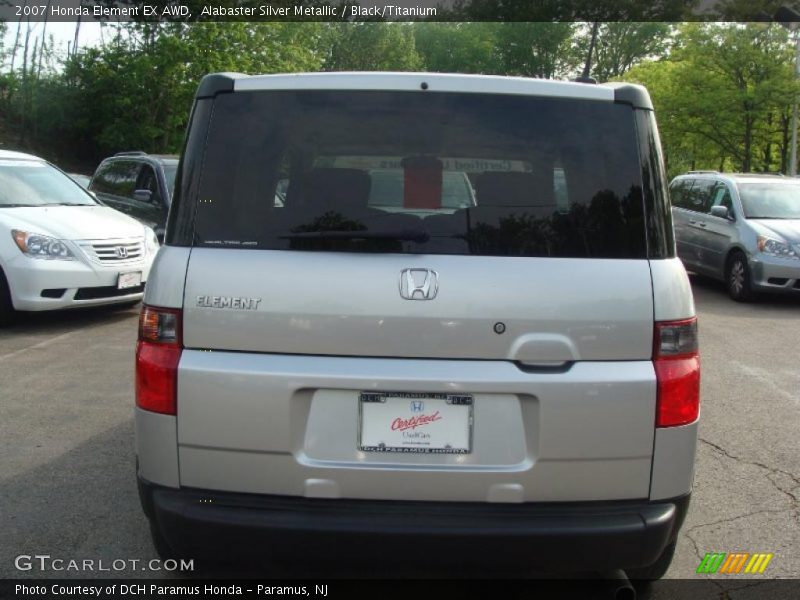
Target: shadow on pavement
x,y
82,504
60,321
711,296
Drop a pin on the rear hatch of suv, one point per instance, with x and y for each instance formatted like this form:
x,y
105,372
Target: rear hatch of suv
x,y
452,301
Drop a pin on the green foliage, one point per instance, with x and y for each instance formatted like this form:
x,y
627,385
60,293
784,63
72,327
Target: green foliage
x,y
537,49
723,97
623,44
373,46
750,10
573,10
458,47
135,91
723,92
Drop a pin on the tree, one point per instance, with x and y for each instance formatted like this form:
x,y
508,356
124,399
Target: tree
x,y
748,10
458,47
537,49
135,91
574,10
373,46
722,96
621,45
15,47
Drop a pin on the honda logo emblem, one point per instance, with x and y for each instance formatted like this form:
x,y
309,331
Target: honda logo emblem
x,y
122,252
419,284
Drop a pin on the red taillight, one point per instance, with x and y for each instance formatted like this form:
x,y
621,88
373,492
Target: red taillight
x,y
158,352
677,364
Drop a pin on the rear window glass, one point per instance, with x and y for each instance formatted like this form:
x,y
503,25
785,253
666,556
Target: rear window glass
x,y
409,172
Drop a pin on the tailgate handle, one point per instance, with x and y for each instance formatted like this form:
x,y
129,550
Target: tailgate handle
x,y
549,366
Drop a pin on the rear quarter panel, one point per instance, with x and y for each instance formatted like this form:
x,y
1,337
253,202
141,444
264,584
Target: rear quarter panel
x,y
167,277
674,447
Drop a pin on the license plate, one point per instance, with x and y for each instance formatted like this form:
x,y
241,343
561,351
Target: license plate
x,y
410,422
129,280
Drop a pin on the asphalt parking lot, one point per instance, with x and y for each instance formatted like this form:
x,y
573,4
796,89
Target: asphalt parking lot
x,y
66,437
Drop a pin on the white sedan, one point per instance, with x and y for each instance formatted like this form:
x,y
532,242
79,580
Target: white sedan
x,y
61,248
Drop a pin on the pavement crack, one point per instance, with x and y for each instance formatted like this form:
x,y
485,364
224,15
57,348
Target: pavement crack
x,y
755,463
771,472
792,498
700,555
688,534
736,518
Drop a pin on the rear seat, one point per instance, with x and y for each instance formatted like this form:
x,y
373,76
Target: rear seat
x,y
525,191
341,192
497,195
512,211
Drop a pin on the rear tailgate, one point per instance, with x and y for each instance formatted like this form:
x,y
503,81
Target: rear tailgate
x,y
264,412
350,304
532,319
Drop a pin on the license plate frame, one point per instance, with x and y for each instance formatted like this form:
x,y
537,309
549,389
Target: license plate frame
x,y
129,280
450,439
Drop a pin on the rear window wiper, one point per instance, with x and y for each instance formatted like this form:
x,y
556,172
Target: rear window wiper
x,y
405,235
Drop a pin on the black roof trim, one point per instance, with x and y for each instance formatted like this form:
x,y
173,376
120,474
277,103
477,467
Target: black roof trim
x,y
631,93
217,83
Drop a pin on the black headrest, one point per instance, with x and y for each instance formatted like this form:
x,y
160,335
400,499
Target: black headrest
x,y
336,189
515,189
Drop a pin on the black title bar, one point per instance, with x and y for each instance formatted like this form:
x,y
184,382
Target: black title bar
x,y
111,11
372,589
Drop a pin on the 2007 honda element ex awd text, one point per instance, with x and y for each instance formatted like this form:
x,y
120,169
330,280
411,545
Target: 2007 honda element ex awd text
x,y
441,311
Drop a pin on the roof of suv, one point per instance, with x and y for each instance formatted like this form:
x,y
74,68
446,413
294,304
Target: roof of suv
x,y
162,158
738,177
628,93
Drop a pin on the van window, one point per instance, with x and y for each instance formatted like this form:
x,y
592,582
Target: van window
x,y
147,181
698,198
409,172
116,178
721,196
679,193
170,170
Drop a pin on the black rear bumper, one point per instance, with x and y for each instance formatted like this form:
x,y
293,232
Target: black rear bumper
x,y
587,536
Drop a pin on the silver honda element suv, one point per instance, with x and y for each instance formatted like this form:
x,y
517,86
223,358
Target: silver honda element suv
x,y
419,310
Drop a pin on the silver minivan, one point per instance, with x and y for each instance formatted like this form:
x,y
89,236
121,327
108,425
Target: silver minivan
x,y
514,377
740,228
